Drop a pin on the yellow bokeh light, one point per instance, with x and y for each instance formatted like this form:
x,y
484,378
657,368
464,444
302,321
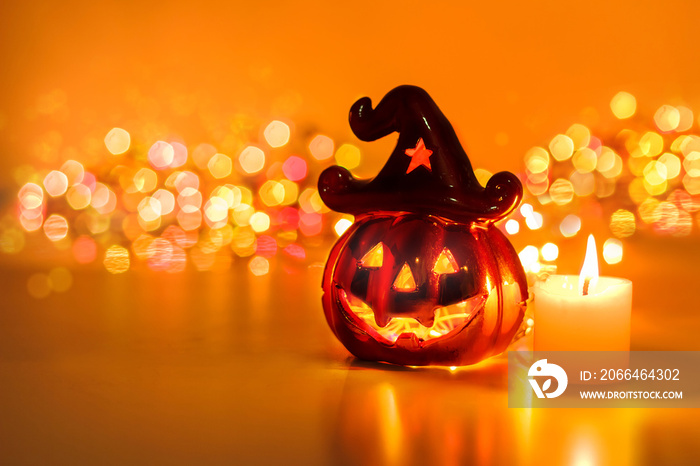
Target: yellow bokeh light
x,y
74,171
570,226
182,181
683,225
692,184
512,226
117,141
580,135
341,226
189,197
241,215
550,252
56,227
537,188
149,209
678,143
609,163
259,266
691,164
259,222
220,166
116,259
686,118
623,105
100,196
672,164
561,147
321,147
529,256
216,209
537,161
202,154
31,224
271,193
141,246
348,156
189,218
145,180
252,160
647,210
637,191
612,251
277,133
562,191
243,241
690,144
667,118
310,201
655,173
79,196
291,192
166,199
651,144
583,183
161,155
622,223
667,216
534,221
655,189
56,183
31,195
585,160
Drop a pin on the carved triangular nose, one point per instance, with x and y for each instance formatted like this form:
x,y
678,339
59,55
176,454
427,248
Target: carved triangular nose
x,y
404,280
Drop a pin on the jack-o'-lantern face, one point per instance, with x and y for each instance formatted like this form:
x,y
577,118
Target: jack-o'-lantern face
x,y
423,276
418,290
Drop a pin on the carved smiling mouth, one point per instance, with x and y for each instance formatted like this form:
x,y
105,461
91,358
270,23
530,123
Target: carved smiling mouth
x,y
448,319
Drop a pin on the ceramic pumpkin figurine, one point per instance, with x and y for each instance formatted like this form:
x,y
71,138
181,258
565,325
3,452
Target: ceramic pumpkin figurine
x,y
423,276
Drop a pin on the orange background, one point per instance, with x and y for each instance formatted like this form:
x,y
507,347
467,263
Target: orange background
x,y
509,76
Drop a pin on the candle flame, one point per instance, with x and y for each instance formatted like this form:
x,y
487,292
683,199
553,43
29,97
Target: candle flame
x,y
588,278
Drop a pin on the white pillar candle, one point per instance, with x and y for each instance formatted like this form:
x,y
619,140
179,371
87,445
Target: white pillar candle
x,y
567,321
585,312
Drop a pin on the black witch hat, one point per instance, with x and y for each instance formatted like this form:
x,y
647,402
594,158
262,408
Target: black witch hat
x,y
428,172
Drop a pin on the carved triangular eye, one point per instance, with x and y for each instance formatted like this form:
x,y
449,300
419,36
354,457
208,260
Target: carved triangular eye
x,y
404,280
445,263
374,257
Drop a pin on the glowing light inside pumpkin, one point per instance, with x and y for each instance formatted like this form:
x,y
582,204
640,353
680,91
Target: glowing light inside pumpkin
x,y
588,278
404,280
447,319
445,263
374,257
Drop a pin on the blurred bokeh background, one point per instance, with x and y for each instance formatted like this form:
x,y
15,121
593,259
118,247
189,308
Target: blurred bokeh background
x,y
508,74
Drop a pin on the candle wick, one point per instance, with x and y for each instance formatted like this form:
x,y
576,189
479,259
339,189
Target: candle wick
x,y
586,284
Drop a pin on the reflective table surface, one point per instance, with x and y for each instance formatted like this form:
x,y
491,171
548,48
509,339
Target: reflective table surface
x,y
229,368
